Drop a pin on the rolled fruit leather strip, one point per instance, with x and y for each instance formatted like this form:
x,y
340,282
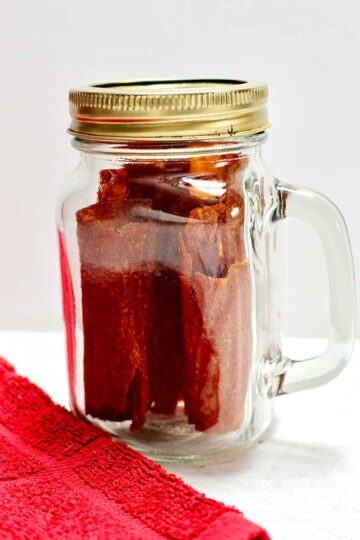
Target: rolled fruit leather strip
x,y
217,310
116,306
226,310
131,317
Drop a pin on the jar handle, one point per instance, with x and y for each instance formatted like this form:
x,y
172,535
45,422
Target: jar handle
x,y
319,212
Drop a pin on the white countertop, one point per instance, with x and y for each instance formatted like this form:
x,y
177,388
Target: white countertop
x,y
301,483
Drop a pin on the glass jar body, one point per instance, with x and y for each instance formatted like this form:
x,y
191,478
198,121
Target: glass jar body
x,y
170,286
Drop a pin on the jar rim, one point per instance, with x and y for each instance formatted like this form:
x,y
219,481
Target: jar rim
x,y
189,109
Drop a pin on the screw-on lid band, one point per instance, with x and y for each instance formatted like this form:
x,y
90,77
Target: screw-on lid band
x,y
168,110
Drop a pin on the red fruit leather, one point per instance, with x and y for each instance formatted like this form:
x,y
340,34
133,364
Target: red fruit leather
x,y
131,303
225,305
66,480
149,339
216,316
117,310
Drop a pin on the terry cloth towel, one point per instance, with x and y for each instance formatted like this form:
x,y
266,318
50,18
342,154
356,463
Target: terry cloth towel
x,y
64,479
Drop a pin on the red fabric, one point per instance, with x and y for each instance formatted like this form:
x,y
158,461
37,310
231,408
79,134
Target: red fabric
x,y
61,478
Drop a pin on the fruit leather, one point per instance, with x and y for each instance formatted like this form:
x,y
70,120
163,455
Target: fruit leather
x,y
160,259
117,266
225,305
216,289
131,299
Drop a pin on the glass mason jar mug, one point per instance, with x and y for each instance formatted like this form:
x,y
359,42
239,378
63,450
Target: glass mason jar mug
x,y
167,232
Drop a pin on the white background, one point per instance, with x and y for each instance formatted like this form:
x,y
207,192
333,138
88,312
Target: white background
x,y
307,52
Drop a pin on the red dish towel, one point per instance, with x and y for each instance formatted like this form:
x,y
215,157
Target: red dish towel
x,y
64,479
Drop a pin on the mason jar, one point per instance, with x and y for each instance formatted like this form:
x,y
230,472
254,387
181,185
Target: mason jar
x,y
171,272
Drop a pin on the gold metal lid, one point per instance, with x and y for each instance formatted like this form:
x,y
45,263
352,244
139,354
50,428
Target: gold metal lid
x,y
168,110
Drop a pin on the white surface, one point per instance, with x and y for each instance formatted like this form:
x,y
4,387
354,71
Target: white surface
x,y
301,483
307,51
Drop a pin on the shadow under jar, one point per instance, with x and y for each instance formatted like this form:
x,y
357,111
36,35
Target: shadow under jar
x,y
170,269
